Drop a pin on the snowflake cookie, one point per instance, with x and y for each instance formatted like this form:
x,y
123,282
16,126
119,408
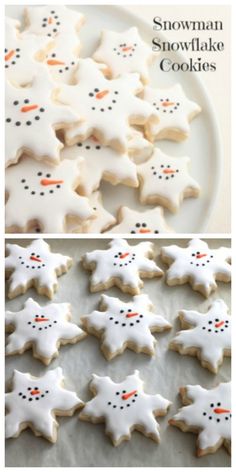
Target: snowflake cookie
x,y
34,402
106,108
207,336
101,163
124,407
34,266
165,180
102,220
174,110
32,118
62,59
208,413
121,265
141,222
124,52
42,328
45,195
197,264
123,325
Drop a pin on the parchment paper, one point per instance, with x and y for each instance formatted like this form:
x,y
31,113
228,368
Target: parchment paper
x,y
84,444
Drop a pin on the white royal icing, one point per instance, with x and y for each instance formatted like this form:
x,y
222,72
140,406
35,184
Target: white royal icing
x,y
35,265
124,52
106,107
35,401
122,263
198,264
31,119
210,412
141,222
210,332
123,324
34,187
166,180
101,163
103,219
124,407
43,328
174,110
62,59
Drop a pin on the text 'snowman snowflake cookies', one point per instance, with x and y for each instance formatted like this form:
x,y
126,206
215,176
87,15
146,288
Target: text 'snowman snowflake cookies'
x,y
207,335
123,325
208,412
121,265
124,407
34,266
141,222
197,264
34,402
42,328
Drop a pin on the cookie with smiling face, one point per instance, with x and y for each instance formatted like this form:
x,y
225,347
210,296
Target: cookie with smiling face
x,y
44,195
123,325
208,413
34,266
207,336
62,58
198,265
141,222
34,402
124,407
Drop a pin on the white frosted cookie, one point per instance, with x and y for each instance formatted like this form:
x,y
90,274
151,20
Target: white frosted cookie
x,y
139,148
45,195
121,265
34,266
34,402
62,58
22,55
208,413
175,111
106,108
165,180
102,220
31,114
41,328
101,163
198,265
124,52
123,325
141,222
207,336
124,407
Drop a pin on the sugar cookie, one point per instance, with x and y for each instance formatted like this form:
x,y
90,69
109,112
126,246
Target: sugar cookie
x,y
62,59
141,222
124,407
103,219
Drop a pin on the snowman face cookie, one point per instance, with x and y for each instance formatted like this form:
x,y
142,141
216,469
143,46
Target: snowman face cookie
x,y
52,20
142,223
62,58
124,407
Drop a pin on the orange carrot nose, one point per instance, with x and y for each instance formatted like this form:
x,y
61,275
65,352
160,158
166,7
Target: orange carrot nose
x,y
168,104
29,108
219,411
124,255
101,94
126,396
55,62
50,20
199,256
33,258
35,392
130,315
143,231
9,55
218,325
168,171
51,182
127,48
38,320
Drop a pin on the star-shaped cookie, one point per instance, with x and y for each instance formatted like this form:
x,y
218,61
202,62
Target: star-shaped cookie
x,y
121,265
106,108
42,328
165,180
124,407
32,118
124,52
102,218
198,265
34,186
62,58
123,325
174,110
208,413
34,403
208,335
141,222
34,266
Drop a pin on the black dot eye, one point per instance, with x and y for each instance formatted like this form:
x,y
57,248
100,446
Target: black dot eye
x,y
54,55
96,90
28,388
26,100
123,391
144,225
16,102
218,404
121,311
39,174
117,393
91,94
138,225
116,92
212,405
198,252
48,175
32,253
209,322
217,319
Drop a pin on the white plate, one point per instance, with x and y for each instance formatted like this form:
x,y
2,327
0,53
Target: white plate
x,y
203,145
